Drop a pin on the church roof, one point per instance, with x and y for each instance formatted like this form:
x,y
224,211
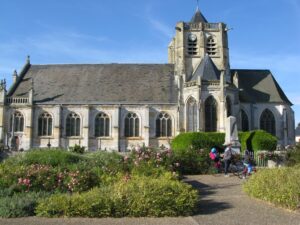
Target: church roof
x,y
198,17
98,83
259,86
207,70
297,131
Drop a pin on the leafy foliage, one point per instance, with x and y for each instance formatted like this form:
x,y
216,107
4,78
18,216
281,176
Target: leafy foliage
x,y
53,157
257,140
197,140
163,196
20,205
287,192
293,156
77,149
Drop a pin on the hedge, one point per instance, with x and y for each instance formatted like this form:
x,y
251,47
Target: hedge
x,y
135,196
257,140
252,140
197,140
277,186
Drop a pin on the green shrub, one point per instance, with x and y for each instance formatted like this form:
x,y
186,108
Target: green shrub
x,y
51,157
293,156
47,178
144,160
277,186
262,140
245,140
110,162
198,140
20,205
162,196
257,140
191,151
193,161
135,196
77,149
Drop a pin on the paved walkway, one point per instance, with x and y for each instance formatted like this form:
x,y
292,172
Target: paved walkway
x,y
222,202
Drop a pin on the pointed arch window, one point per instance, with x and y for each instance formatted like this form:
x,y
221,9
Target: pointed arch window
x,y
267,122
210,114
245,121
45,125
132,125
228,106
73,125
163,125
17,122
102,124
192,115
211,46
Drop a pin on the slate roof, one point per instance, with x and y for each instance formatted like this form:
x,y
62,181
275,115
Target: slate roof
x,y
207,70
98,83
259,86
198,17
297,131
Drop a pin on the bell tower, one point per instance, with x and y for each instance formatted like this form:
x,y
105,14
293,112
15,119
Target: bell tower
x,y
196,39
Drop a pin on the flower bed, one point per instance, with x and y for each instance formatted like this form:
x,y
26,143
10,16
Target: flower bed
x,y
278,186
144,183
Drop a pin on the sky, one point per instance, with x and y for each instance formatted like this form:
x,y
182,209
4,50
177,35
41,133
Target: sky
x,y
265,34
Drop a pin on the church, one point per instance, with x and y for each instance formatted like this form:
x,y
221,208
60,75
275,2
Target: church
x,y
119,106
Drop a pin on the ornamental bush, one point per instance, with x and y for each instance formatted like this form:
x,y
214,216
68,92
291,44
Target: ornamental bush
x,y
191,151
257,140
277,186
132,196
262,140
293,156
20,204
53,157
198,140
37,177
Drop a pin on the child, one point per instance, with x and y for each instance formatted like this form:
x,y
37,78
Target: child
x,y
215,157
248,164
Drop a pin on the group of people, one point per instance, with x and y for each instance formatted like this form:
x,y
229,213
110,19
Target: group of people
x,y
227,159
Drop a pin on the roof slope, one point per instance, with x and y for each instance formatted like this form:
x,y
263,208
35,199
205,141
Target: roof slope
x,y
297,131
198,17
207,70
259,86
99,83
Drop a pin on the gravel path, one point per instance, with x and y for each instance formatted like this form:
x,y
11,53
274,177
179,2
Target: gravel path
x,y
222,202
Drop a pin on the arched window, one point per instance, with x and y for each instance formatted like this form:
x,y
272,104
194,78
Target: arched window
x,y
132,124
228,107
267,122
192,44
163,125
73,125
245,121
45,125
102,125
17,122
192,115
211,46
210,114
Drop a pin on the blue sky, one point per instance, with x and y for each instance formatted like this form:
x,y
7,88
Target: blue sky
x,y
265,33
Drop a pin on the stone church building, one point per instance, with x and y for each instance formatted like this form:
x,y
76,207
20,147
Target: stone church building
x,y
118,106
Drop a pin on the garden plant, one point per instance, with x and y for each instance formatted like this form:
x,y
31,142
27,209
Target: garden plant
x,y
56,183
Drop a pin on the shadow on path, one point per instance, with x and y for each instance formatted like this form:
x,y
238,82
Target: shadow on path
x,y
206,204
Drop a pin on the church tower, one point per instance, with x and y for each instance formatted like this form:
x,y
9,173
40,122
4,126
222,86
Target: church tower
x,y
196,39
